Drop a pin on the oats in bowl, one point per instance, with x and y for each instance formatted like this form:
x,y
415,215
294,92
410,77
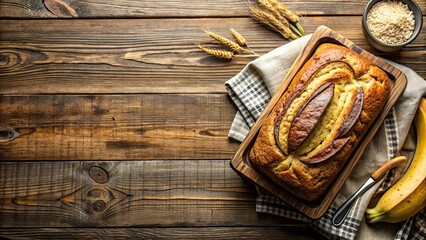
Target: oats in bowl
x,y
391,22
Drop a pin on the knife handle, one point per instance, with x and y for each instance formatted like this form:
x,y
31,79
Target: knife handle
x,y
387,166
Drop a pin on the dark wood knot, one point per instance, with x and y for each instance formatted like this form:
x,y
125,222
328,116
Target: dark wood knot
x,y
98,174
10,59
4,60
8,134
98,206
98,199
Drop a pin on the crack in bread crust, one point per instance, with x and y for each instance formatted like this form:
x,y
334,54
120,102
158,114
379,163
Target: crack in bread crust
x,y
350,73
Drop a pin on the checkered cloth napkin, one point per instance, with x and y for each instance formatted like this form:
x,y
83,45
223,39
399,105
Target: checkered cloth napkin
x,y
251,91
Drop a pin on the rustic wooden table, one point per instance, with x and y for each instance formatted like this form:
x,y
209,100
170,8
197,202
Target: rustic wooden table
x,y
124,121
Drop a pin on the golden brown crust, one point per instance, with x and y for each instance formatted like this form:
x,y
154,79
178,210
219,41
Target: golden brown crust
x,y
308,170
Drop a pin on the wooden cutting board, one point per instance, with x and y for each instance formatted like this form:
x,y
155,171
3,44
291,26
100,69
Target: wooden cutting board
x,y
240,162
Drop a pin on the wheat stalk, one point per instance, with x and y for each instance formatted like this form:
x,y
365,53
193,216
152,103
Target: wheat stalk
x,y
269,6
233,46
223,54
271,21
300,28
238,38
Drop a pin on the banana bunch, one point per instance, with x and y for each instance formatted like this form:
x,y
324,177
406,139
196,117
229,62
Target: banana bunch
x,y
407,196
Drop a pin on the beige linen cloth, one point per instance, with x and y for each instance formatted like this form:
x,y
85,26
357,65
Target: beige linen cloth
x,y
251,90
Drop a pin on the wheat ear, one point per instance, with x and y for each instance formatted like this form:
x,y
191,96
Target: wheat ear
x,y
291,16
271,21
219,53
242,42
282,8
238,38
233,46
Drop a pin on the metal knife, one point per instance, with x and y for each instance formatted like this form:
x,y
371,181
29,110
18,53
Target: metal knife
x,y
343,210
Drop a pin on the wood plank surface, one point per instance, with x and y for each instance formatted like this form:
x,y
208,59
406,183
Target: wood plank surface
x,y
181,8
214,233
117,127
144,56
128,193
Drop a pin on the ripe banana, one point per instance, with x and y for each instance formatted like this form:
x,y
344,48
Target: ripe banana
x,y
408,195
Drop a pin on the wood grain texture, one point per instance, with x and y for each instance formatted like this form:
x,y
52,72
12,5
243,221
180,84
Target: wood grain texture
x,y
177,8
144,56
118,127
294,231
126,82
143,194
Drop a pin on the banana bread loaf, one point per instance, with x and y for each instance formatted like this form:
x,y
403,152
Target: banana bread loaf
x,y
319,120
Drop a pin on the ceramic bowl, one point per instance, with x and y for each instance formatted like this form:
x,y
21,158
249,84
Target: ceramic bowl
x,y
376,43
